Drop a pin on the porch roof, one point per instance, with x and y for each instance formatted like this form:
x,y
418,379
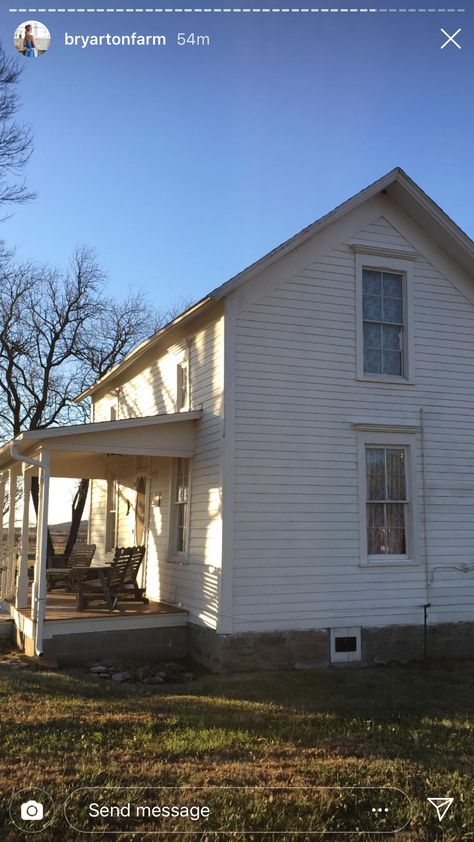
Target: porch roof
x,y
81,450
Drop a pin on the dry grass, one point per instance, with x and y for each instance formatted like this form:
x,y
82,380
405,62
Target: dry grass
x,y
409,727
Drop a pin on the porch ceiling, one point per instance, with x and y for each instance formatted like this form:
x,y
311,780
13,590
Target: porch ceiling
x,y
82,450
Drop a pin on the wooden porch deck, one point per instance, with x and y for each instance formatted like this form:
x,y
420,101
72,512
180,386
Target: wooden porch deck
x,y
61,605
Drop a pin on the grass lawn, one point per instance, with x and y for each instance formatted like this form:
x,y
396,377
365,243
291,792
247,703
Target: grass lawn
x,y
407,726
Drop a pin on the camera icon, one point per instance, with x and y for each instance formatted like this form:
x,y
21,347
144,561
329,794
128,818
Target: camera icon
x,y
31,811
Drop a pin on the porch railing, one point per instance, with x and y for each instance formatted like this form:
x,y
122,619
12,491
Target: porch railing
x,y
8,572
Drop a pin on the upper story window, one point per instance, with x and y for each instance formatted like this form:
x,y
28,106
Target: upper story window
x,y
182,386
383,317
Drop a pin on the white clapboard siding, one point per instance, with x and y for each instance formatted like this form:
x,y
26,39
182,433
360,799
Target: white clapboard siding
x,y
194,583
296,495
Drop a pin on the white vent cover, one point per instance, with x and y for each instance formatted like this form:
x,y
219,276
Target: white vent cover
x,y
345,644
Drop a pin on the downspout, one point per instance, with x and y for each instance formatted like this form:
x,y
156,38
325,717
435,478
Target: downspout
x,y
37,625
425,535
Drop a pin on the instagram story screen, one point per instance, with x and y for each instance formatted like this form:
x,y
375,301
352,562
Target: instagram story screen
x,y
236,421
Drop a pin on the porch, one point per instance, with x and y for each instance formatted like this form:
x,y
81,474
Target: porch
x,y
51,623
61,607
138,631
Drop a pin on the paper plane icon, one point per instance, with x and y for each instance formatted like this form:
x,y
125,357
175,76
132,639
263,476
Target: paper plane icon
x,y
441,806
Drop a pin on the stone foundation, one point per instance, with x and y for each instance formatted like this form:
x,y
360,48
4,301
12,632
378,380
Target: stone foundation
x,y
310,649
407,643
250,651
139,645
6,628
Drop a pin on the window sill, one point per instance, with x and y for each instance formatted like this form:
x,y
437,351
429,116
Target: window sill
x,y
385,378
393,562
178,559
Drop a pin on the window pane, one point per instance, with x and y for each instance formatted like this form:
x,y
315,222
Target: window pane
x,y
373,335
396,540
372,308
391,338
375,528
395,515
183,385
392,362
375,461
396,543
375,515
393,310
373,361
182,481
396,484
392,285
181,497
181,528
372,282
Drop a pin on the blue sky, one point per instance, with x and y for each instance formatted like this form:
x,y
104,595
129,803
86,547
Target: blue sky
x,y
181,165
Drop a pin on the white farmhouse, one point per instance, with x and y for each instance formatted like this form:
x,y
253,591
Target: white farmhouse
x,y
296,452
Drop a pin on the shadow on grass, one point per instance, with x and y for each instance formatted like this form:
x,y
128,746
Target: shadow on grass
x,y
418,713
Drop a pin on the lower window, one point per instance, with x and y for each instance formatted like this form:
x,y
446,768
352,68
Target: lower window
x,y
388,511
386,500
179,521
111,516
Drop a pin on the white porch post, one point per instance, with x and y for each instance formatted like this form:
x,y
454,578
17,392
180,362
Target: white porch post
x,y
2,543
2,503
12,485
11,561
22,584
38,605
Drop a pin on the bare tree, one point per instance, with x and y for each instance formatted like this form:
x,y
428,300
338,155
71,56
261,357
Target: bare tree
x,y
59,332
15,138
43,315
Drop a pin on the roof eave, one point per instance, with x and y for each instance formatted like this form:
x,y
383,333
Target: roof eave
x,y
224,289
135,353
388,183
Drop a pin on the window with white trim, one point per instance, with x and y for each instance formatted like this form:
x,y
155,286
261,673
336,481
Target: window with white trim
x,y
182,385
387,500
383,322
111,516
179,521
389,520
385,344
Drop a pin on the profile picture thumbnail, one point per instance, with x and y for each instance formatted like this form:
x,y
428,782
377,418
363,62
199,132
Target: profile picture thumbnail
x,y
32,39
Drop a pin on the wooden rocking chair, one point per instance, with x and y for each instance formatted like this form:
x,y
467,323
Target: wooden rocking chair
x,y
113,582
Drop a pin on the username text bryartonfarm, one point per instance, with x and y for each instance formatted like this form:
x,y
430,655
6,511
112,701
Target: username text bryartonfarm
x,y
108,40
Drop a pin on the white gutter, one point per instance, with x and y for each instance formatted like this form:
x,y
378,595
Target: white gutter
x,y
39,592
21,458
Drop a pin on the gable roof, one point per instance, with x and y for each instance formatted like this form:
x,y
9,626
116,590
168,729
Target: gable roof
x,y
396,184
